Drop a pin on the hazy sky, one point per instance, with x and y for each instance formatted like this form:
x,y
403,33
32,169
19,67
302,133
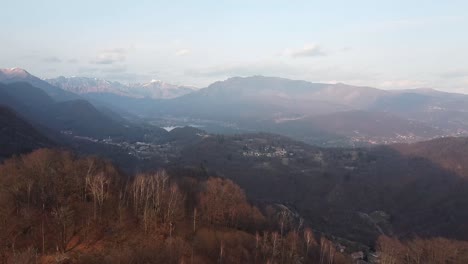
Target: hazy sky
x,y
386,44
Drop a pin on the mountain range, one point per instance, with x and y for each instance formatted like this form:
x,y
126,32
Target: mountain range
x,y
284,106
354,194
155,89
318,113
13,75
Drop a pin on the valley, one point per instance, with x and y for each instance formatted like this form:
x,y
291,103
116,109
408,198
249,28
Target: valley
x,y
234,132
352,175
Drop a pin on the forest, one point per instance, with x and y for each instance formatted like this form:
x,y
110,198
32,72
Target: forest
x,y
56,207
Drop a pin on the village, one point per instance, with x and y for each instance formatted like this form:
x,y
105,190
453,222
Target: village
x,y
164,151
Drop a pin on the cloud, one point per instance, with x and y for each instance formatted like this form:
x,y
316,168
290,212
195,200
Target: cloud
x,y
52,59
182,52
110,56
307,51
72,61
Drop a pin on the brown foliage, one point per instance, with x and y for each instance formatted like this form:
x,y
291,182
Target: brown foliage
x,y
49,197
44,197
56,205
224,203
417,251
156,200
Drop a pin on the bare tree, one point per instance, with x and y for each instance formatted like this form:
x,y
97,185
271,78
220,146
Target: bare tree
x,y
391,250
257,245
292,253
308,239
224,203
221,252
275,237
327,251
98,185
283,218
155,200
63,215
194,219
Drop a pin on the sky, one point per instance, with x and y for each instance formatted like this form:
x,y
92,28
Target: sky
x,y
384,44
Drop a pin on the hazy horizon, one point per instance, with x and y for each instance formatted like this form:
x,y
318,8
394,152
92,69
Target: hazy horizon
x,y
226,132
130,83
390,45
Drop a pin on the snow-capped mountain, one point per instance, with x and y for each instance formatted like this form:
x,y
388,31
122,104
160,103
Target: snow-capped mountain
x,y
12,75
84,85
159,89
155,89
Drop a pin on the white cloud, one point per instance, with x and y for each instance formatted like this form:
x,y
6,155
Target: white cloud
x,y
182,52
312,50
110,56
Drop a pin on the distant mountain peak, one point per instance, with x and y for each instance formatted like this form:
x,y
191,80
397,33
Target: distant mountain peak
x,y
15,72
155,89
12,75
426,89
15,69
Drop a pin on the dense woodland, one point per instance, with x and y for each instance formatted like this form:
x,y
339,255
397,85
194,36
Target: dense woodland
x,y
59,208
357,194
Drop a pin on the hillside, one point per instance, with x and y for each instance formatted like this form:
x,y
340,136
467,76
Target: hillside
x,y
448,153
250,98
56,207
284,97
14,75
17,136
78,117
339,190
360,128
233,132
319,113
331,115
